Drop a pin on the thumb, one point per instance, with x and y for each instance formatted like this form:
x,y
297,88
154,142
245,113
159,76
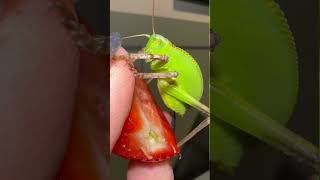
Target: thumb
x,y
121,92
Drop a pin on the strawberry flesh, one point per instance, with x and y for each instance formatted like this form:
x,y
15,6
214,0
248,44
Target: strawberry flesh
x,y
146,135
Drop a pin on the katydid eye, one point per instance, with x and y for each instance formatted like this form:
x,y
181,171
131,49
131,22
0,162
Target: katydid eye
x,y
158,43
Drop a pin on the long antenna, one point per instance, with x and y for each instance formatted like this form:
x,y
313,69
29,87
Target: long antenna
x,y
153,16
152,19
139,35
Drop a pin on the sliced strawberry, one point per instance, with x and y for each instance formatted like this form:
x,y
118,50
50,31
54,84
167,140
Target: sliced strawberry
x,y
146,135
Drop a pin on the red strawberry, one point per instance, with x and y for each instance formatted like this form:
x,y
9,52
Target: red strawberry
x,y
146,135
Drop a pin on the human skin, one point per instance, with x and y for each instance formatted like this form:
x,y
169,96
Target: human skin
x,y
121,91
38,79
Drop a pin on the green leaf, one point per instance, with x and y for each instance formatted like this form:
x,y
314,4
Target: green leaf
x,y
255,64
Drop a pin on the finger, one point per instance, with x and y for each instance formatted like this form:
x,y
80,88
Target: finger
x,y
121,91
121,51
154,171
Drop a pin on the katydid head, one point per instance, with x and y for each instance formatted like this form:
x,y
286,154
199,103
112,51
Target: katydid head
x,y
157,44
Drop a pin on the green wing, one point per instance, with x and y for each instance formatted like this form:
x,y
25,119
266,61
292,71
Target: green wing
x,y
255,67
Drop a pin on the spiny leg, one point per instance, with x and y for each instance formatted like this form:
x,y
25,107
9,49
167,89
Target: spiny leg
x,y
157,75
132,57
135,56
195,131
143,56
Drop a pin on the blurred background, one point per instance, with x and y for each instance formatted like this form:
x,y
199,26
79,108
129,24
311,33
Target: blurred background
x,y
263,162
185,24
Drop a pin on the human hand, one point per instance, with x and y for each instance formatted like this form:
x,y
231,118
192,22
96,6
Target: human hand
x,y
121,92
38,68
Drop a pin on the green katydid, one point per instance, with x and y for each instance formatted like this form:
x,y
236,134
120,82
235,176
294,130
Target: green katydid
x,y
185,86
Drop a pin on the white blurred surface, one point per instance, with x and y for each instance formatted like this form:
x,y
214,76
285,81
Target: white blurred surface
x,y
163,8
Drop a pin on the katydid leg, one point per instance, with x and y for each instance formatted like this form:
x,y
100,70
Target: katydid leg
x,y
136,56
185,97
157,75
195,131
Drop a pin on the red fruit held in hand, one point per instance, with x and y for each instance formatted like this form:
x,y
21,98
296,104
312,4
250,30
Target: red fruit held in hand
x,y
146,135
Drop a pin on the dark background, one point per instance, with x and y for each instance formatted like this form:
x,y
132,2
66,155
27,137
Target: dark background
x,y
96,14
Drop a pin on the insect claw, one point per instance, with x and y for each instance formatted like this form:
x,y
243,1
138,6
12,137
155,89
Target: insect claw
x,y
157,75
